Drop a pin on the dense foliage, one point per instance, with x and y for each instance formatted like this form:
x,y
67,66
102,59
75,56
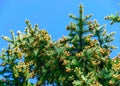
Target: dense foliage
x,y
80,59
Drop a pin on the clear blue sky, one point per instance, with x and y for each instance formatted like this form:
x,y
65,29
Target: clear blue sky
x,y
53,15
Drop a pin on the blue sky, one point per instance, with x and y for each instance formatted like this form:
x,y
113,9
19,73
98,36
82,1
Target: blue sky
x,y
53,15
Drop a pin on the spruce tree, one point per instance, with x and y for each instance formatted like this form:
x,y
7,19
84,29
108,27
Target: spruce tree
x,y
26,56
89,46
80,59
